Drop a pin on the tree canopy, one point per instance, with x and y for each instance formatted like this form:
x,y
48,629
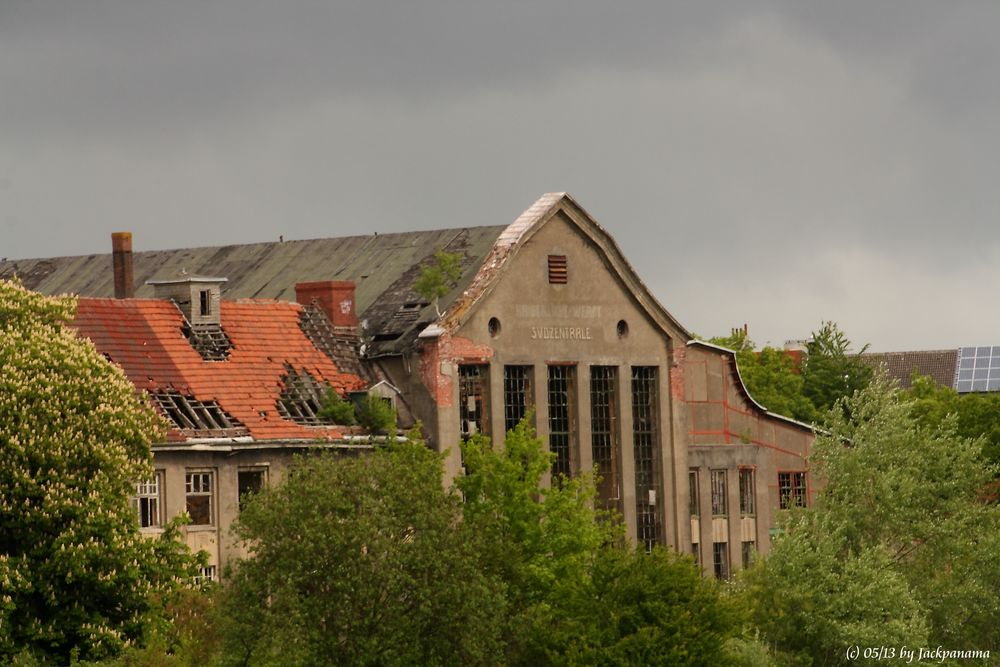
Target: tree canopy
x,y
361,560
898,549
829,372
78,579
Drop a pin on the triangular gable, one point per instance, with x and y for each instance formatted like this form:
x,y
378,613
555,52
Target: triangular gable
x,y
546,208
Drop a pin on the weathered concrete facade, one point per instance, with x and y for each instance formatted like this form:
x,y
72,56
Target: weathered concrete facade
x,y
548,317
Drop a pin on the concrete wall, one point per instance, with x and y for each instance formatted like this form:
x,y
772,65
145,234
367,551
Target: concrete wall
x,y
728,432
542,324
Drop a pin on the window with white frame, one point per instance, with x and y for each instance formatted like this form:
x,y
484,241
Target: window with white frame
x,y
147,501
198,489
205,575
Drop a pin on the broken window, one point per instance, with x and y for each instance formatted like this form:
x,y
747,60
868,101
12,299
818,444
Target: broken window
x,y
720,559
473,386
696,552
605,445
301,397
561,409
792,489
720,505
646,448
748,503
194,417
517,396
693,492
249,482
147,502
748,549
198,490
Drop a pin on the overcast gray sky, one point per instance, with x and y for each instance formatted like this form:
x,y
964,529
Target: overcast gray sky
x,y
768,163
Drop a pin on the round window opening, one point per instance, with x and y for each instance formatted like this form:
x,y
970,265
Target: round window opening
x,y
622,329
494,327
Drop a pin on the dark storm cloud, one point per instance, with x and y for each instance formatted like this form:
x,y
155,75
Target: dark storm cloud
x,y
772,163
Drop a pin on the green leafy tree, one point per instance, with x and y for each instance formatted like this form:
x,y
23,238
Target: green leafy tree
x,y
576,593
438,278
361,560
898,548
977,415
830,371
336,410
375,414
77,580
771,377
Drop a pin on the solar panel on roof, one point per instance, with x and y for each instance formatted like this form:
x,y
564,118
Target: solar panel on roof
x,y
978,369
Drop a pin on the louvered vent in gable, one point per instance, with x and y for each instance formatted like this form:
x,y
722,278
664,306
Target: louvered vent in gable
x,y
301,397
558,270
209,340
193,417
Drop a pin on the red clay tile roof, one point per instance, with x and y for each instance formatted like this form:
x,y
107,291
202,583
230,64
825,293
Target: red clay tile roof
x,y
144,337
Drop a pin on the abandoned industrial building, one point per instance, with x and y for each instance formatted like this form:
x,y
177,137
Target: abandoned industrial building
x,y
548,318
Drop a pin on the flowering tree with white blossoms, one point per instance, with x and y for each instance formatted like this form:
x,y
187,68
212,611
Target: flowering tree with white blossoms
x,y
77,580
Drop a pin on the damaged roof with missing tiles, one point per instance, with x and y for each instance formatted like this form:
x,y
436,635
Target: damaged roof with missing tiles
x,y
236,397
383,267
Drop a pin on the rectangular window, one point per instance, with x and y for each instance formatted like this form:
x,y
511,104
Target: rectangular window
x,y
147,502
696,552
694,493
605,446
517,396
473,386
748,549
558,273
792,489
646,447
198,489
720,559
719,493
205,298
747,492
205,575
249,482
562,406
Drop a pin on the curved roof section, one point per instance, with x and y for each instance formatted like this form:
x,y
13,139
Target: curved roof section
x,y
743,387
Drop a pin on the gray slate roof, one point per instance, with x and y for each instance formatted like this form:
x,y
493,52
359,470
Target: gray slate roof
x,y
383,266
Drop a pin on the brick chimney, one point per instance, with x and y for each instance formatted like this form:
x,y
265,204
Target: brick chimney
x,y
334,297
121,261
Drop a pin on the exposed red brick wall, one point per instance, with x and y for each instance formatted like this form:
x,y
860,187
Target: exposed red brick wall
x,y
450,350
677,374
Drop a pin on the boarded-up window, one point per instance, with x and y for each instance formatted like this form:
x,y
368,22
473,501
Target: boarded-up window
x,y
558,273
